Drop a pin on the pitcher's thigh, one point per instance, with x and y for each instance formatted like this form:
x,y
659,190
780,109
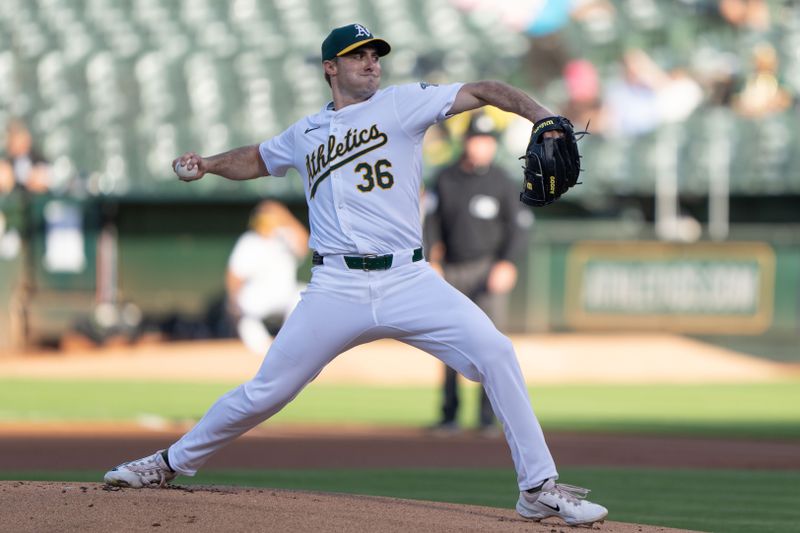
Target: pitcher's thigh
x,y
451,327
320,328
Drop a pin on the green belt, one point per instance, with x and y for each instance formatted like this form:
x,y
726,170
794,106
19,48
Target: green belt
x,y
376,262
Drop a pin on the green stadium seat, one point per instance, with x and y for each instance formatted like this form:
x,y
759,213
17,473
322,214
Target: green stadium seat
x,y
163,77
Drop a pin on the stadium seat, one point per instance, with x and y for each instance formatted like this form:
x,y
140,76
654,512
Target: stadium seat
x,y
112,85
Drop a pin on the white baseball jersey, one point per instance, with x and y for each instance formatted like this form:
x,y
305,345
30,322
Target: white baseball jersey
x,y
361,167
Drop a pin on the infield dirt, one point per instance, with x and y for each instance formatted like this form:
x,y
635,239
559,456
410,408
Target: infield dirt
x,y
90,507
558,358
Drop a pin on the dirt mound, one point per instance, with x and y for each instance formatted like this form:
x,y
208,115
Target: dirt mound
x,y
88,507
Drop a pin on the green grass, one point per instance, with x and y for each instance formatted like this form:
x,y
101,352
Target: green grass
x,y
768,410
706,500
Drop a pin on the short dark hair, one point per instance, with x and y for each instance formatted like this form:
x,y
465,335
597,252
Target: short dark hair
x,y
327,77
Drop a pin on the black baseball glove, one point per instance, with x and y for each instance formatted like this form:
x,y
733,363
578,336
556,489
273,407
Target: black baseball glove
x,y
552,164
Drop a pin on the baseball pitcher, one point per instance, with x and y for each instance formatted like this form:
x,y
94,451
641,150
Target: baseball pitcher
x,y
360,161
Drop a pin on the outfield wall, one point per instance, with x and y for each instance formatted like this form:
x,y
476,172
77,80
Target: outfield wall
x,y
577,278
168,260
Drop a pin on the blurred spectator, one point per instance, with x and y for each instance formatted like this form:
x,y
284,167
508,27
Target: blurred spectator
x,y
476,231
549,52
538,17
678,94
647,96
746,14
24,170
261,280
717,76
762,93
437,146
632,98
23,167
584,103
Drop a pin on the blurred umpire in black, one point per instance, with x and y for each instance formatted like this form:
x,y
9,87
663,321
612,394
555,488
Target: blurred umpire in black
x,y
476,229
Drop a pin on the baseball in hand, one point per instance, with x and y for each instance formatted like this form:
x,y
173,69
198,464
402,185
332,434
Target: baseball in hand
x,y
184,172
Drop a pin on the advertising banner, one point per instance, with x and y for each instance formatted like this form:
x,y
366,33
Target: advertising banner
x,y
699,288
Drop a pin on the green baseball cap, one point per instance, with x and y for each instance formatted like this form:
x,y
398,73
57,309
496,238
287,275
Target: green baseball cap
x,y
347,38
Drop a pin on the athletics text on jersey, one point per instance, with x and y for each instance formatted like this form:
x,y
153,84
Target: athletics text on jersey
x,y
361,167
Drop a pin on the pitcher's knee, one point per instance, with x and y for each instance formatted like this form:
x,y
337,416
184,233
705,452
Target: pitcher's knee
x,y
499,347
265,397
494,352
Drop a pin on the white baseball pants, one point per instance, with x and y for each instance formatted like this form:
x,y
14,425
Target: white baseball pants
x,y
343,308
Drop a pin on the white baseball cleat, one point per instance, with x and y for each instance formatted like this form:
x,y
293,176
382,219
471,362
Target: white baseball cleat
x,y
150,471
564,501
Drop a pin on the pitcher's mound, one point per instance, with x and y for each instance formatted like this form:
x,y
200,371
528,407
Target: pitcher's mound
x,y
89,507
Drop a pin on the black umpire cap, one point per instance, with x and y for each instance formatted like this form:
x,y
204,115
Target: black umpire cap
x,y
482,124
